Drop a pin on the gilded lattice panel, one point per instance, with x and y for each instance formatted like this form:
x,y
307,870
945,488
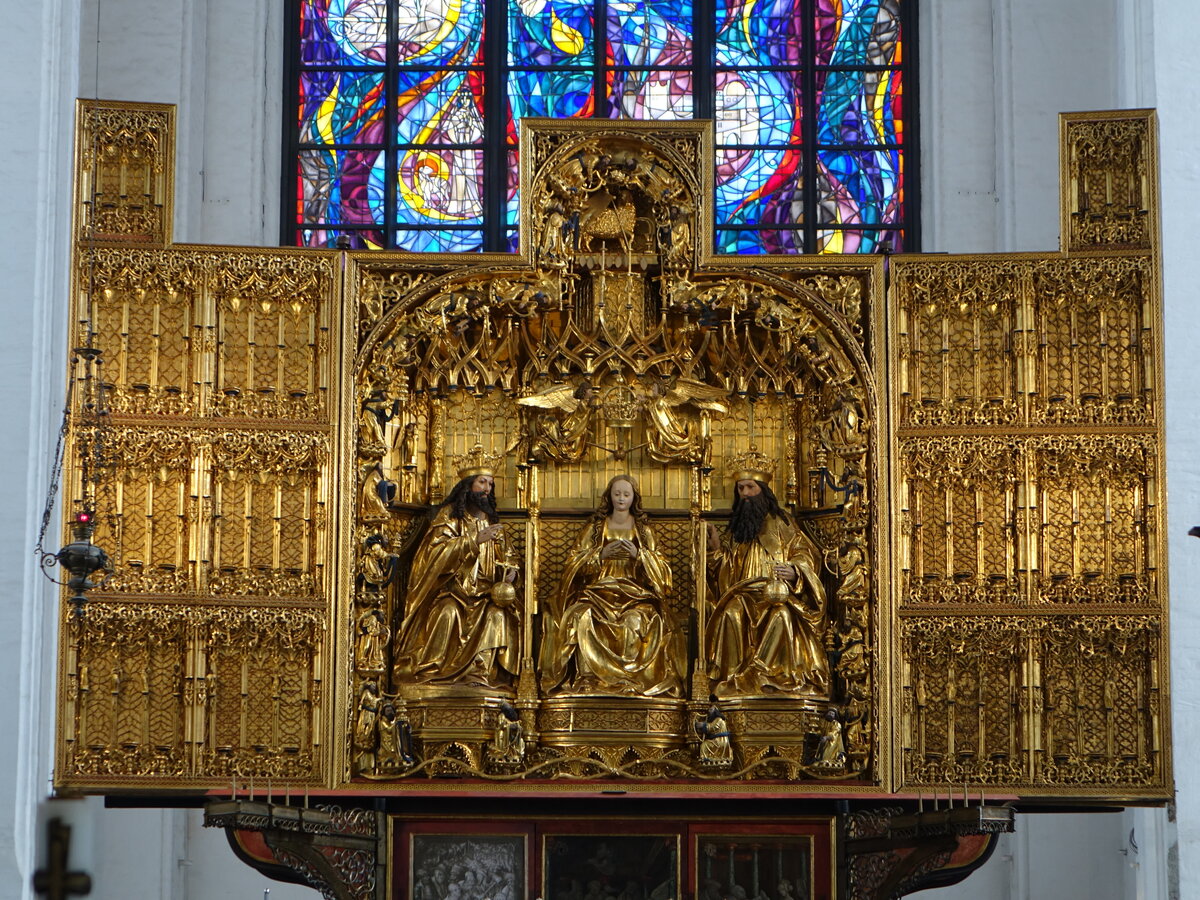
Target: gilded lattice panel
x,y
268,513
958,341
150,511
1109,181
271,335
1098,701
961,700
143,311
1095,344
1043,703
959,520
159,692
125,172
1096,534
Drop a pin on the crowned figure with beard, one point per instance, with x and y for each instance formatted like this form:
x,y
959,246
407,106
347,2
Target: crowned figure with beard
x,y
764,634
460,621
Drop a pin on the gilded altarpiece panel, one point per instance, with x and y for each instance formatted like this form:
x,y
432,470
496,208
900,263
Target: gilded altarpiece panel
x,y
613,346
1032,612
970,576
203,657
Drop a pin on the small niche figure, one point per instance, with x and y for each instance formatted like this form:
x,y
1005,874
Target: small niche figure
x,y
373,636
716,749
508,745
831,749
364,727
395,741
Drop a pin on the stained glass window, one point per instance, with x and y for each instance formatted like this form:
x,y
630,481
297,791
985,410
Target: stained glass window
x,y
403,129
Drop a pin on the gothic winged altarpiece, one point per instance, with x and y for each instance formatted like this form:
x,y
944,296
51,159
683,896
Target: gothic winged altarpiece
x,y
616,510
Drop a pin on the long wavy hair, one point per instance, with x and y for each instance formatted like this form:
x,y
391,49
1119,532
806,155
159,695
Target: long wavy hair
x,y
606,504
461,494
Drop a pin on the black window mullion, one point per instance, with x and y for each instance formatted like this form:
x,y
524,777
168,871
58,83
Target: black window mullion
x,y
289,224
910,152
602,102
495,151
808,126
391,118
704,49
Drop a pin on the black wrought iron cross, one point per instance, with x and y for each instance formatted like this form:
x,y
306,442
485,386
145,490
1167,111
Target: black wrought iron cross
x,y
54,881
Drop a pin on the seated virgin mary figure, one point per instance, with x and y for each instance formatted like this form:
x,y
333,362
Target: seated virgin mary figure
x,y
608,629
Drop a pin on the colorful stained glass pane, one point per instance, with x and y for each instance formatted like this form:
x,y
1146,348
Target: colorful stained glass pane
x,y
851,240
550,32
441,241
857,33
561,94
429,108
647,34
657,94
859,187
437,107
342,187
341,107
512,205
759,186
359,239
343,32
760,240
439,32
440,186
858,107
757,107
752,33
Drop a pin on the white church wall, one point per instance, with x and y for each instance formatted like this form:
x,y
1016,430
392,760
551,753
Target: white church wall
x,y
221,64
40,56
1179,136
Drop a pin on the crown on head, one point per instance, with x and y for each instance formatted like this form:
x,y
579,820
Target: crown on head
x,y
477,462
752,466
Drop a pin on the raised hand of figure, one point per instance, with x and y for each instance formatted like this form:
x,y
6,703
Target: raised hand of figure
x,y
485,535
714,536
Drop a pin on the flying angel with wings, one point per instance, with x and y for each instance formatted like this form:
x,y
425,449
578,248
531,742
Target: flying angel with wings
x,y
672,436
559,421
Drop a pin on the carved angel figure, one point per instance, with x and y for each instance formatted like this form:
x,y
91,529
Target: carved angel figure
x,y
670,436
561,434
608,629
